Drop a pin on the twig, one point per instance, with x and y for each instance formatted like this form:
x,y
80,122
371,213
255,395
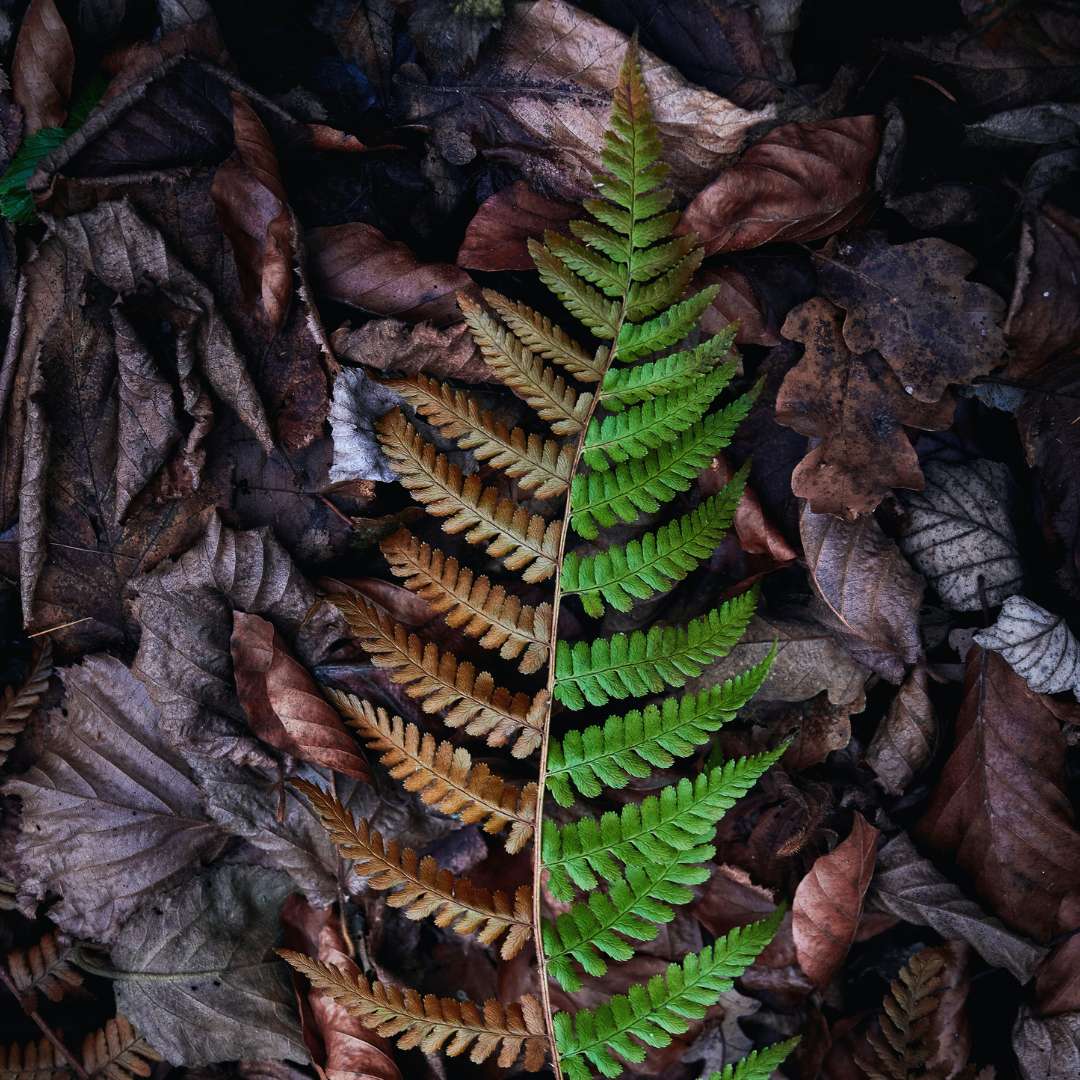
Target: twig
x,y
47,1031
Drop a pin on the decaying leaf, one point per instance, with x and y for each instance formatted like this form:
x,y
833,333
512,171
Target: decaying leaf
x,y
904,739
1047,1048
1000,809
912,304
201,980
829,901
959,534
497,237
110,812
1038,645
357,403
404,348
800,182
856,406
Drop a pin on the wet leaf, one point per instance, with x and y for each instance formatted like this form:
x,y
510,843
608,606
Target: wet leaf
x,y
905,737
43,66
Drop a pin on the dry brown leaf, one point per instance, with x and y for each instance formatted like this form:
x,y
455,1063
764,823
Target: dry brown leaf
x,y
393,345
828,903
735,302
819,728
868,589
355,264
43,67
1000,808
858,409
497,236
800,182
905,737
283,703
254,212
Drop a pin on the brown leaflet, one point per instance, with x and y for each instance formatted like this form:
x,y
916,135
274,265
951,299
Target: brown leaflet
x,y
800,182
858,409
828,903
1000,809
496,237
355,264
1044,313
912,304
341,1047
254,212
735,302
905,737
868,589
43,67
393,345
283,703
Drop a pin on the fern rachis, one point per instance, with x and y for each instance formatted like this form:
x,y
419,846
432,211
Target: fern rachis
x,y
632,420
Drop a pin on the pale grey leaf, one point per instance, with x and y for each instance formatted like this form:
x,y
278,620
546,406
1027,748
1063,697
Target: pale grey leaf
x,y
201,982
1038,646
904,739
110,813
1046,124
1047,1048
957,530
358,402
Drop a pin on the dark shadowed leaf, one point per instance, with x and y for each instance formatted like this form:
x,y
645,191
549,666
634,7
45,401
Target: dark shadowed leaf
x,y
1047,1049
735,302
43,66
905,736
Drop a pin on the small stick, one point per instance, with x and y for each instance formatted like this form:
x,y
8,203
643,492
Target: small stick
x,y
47,1031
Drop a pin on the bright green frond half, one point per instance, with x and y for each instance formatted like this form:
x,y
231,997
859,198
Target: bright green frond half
x,y
648,1015
590,850
608,755
655,562
642,486
758,1064
647,661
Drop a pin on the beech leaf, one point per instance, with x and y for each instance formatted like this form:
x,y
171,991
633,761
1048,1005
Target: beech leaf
x,y
43,67
1039,646
905,737
497,236
828,903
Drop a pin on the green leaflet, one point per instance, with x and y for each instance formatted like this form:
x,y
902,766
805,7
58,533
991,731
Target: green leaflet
x,y
758,1064
656,562
638,487
669,327
649,1014
642,740
647,661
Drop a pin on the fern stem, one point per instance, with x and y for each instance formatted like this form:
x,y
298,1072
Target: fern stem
x,y
61,1049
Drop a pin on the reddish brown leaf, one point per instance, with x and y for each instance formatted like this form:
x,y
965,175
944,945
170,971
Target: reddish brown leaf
x,y
800,182
858,408
393,345
736,302
1000,808
828,903
355,264
1057,987
871,593
254,213
283,703
731,899
43,67
905,737
757,534
497,237
820,728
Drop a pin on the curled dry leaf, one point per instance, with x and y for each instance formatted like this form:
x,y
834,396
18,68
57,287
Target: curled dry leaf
x,y
828,903
1038,645
857,407
355,264
393,345
868,587
283,704
912,304
959,534
913,889
357,403
904,739
1000,808
43,67
254,213
1047,1048
497,236
800,182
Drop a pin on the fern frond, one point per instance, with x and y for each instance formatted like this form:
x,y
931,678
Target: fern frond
x,y
655,562
647,661
496,618
18,705
628,386
540,466
544,338
443,775
645,299
419,887
649,1014
670,326
652,738
525,373
758,1064
643,486
594,266
34,1061
117,1052
471,699
621,436
584,852
433,1024
634,906
44,968
525,542
588,305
